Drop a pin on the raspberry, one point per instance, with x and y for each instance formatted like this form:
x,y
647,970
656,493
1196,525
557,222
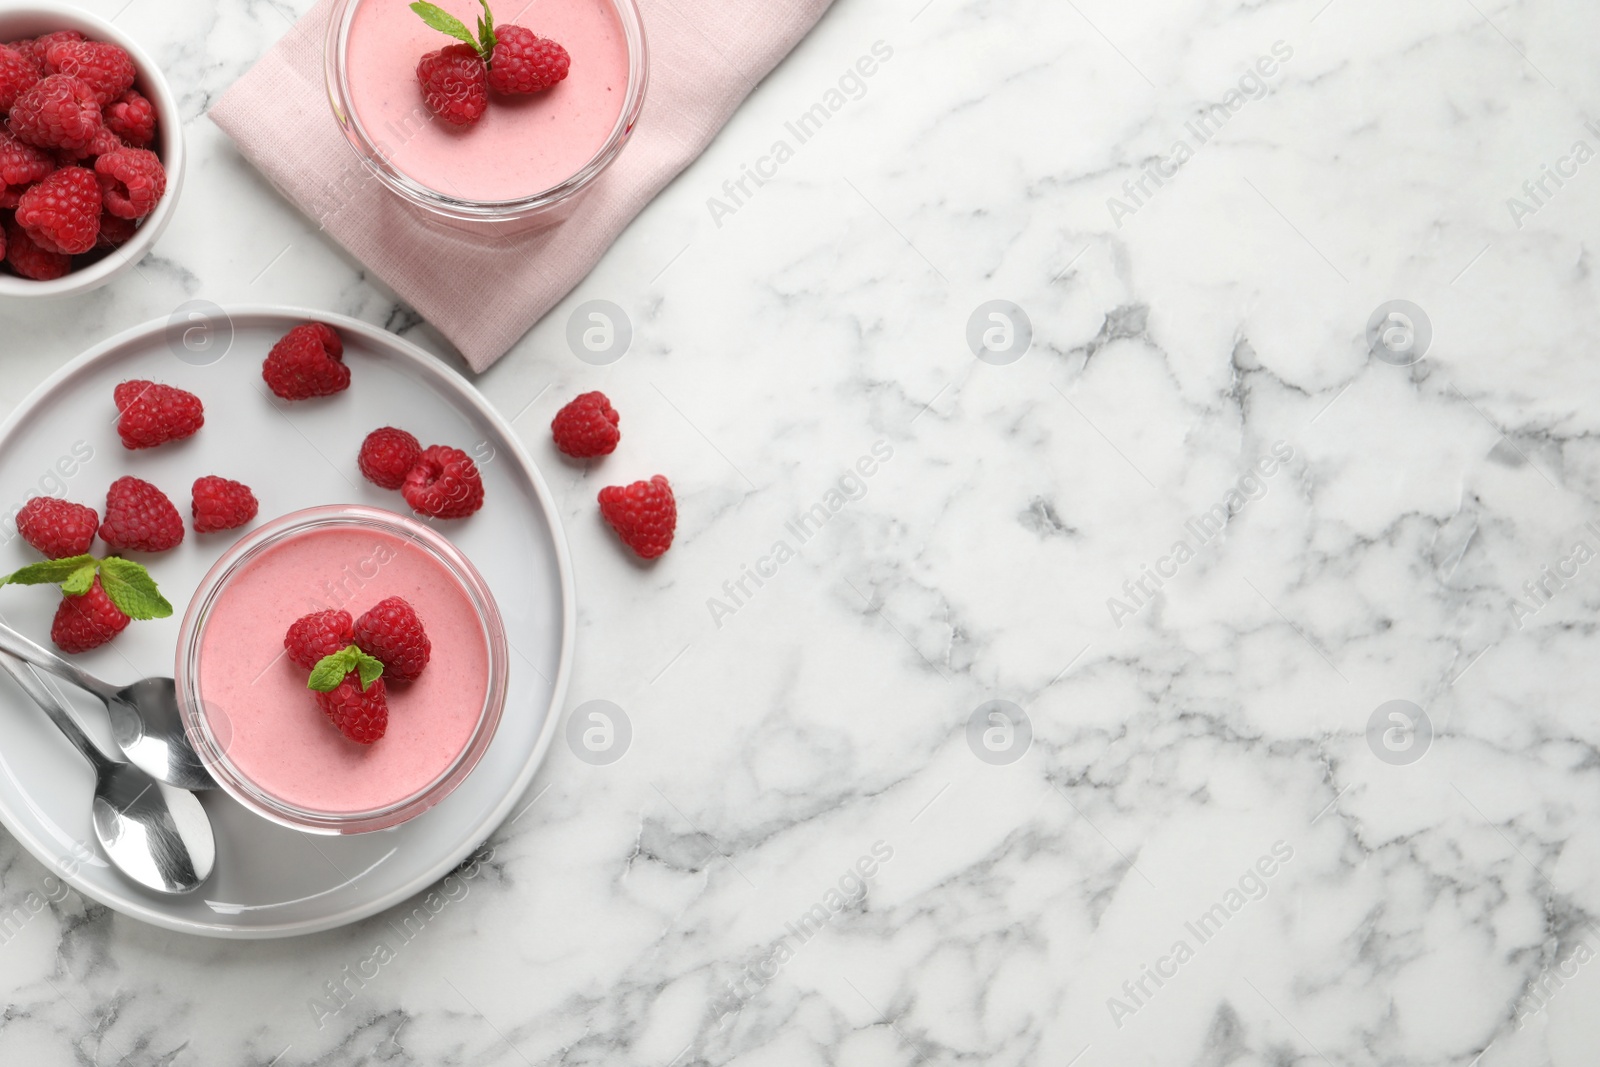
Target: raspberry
x,y
31,261
153,414
105,68
18,74
455,85
524,62
58,528
444,484
307,362
132,180
9,199
391,633
62,212
37,47
115,232
132,118
387,456
322,633
644,515
220,504
87,621
140,518
586,427
362,716
59,112
104,142
22,164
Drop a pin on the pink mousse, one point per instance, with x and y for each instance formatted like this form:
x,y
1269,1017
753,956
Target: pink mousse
x,y
525,144
280,740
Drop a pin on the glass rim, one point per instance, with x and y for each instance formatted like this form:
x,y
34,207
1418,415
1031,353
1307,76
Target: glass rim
x,y
213,751
467,209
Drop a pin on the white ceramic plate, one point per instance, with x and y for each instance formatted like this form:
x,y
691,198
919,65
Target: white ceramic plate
x,y
271,881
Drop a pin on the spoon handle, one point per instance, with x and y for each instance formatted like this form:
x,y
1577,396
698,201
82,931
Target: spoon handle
x,y
21,647
34,686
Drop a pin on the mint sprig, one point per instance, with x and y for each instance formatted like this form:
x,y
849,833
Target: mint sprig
x,y
331,669
127,584
448,24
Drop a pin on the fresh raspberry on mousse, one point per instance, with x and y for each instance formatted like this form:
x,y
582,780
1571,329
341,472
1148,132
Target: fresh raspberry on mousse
x,y
524,62
360,714
312,638
455,84
391,633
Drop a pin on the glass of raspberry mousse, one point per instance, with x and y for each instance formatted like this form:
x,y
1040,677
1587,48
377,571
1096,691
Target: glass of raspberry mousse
x,y
527,156
258,727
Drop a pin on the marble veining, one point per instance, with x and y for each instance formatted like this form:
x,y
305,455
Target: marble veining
x,y
919,791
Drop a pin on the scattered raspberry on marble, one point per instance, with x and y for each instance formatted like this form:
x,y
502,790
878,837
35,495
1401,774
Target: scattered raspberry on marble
x,y
644,514
586,427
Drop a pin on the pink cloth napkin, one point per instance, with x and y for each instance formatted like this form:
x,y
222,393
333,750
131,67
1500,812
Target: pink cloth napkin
x,y
484,293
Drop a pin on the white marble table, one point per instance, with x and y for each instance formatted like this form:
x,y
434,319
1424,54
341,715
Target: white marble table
x,y
1200,857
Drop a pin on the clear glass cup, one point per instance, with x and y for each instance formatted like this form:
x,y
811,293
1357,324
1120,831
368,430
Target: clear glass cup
x,y
211,732
539,206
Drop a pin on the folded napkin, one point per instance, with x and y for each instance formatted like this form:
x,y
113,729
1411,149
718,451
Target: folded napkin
x,y
485,292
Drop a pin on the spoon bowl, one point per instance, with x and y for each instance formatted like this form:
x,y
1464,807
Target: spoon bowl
x,y
144,716
157,835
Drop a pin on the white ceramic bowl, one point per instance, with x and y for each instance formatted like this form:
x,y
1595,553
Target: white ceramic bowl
x,y
17,21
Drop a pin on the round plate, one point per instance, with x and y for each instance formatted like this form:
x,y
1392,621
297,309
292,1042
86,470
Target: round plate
x,y
271,881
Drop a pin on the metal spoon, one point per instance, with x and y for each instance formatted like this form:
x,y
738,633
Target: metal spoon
x,y
144,716
156,835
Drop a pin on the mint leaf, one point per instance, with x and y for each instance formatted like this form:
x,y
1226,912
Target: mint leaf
x,y
486,37
49,572
444,22
369,668
331,669
78,582
132,590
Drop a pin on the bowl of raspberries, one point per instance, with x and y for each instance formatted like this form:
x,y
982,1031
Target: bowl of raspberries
x,y
91,151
